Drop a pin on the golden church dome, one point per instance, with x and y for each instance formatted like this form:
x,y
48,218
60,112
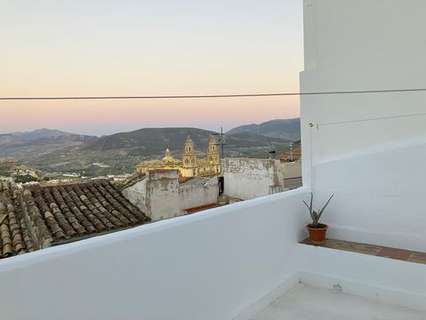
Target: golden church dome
x,y
168,156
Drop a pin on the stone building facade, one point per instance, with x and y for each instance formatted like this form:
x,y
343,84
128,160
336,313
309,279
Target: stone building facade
x,y
190,165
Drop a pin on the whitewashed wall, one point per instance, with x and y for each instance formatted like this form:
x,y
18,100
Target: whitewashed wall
x,y
247,178
198,193
205,266
380,279
291,169
368,149
211,265
157,195
161,196
137,194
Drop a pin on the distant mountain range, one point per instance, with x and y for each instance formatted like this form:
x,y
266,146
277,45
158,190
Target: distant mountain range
x,y
22,144
40,134
156,140
288,129
58,151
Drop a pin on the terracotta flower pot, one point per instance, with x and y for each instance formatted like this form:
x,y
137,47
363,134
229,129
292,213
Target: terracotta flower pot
x,y
317,234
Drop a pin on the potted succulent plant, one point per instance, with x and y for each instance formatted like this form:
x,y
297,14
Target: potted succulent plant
x,y
317,230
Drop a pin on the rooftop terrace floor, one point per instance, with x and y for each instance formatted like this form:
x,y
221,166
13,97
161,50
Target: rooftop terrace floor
x,y
304,302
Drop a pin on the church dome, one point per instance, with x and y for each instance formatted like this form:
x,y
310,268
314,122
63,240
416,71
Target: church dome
x,y
168,156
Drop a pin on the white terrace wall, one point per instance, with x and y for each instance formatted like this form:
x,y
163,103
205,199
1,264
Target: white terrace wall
x,y
369,149
207,266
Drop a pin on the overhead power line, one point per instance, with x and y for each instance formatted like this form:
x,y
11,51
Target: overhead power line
x,y
212,96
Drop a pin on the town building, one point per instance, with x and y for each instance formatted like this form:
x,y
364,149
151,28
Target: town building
x,y
20,173
190,165
164,194
294,153
248,178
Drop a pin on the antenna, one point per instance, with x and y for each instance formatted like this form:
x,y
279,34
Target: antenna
x,y
221,142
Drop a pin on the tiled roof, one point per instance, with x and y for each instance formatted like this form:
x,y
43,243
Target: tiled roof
x,y
14,236
35,217
132,180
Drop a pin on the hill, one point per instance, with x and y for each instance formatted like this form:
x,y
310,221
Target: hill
x,y
149,141
153,141
21,145
119,153
55,151
288,129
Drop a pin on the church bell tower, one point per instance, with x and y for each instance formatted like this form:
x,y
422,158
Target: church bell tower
x,y
189,158
213,155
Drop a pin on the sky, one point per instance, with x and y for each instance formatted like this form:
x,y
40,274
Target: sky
x,y
147,47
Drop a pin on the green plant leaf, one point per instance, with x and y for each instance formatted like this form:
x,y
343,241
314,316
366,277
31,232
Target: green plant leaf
x,y
324,207
307,205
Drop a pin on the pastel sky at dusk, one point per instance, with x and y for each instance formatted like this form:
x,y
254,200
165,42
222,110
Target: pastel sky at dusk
x,y
147,47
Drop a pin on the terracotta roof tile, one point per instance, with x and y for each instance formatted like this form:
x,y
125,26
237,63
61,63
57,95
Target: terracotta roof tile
x,y
36,217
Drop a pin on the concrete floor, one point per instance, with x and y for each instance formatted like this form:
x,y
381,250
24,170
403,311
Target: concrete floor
x,y
308,303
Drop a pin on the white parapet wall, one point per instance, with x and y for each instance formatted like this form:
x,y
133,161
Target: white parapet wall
x,y
368,149
224,263
208,266
381,279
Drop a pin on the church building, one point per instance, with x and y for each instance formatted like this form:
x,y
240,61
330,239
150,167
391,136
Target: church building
x,y
190,165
